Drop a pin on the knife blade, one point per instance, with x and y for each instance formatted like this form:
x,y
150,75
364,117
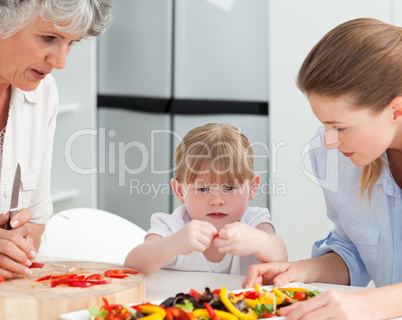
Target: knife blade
x,y
15,195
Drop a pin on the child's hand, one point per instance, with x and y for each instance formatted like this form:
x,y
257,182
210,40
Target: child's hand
x,y
195,236
236,238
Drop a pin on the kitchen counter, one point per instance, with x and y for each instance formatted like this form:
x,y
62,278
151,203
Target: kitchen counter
x,y
167,283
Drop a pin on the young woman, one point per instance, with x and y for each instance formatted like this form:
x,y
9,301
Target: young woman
x,y
353,80
35,38
215,230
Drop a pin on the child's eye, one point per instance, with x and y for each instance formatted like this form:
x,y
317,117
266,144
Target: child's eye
x,y
203,189
228,188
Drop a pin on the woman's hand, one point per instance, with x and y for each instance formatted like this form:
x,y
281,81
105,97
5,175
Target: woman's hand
x,y
279,273
194,236
329,268
333,305
16,250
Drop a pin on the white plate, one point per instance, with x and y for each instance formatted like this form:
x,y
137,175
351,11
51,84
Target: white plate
x,y
84,314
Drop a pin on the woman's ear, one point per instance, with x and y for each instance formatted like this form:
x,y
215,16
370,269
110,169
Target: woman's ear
x,y
254,182
178,189
396,108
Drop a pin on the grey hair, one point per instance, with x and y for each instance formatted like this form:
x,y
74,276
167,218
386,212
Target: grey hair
x,y
83,18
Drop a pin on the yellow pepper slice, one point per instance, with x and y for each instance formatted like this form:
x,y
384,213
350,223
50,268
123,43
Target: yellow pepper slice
x,y
252,302
268,298
223,315
245,316
277,293
155,312
234,298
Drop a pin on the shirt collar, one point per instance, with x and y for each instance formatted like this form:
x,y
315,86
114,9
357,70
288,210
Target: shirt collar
x,y
18,95
389,184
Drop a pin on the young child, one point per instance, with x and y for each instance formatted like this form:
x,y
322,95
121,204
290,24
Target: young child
x,y
214,231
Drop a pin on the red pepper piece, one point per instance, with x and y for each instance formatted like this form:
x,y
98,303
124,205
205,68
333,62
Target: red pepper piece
x,y
2,279
56,283
36,265
211,311
95,276
122,271
105,281
251,294
217,291
195,294
266,314
106,306
119,276
77,283
176,313
43,278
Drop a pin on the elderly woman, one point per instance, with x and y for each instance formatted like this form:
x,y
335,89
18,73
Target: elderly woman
x,y
35,38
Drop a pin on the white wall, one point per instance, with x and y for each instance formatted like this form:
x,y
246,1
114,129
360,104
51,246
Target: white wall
x,y
294,28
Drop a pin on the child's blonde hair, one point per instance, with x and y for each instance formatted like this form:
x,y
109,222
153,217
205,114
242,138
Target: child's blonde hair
x,y
361,58
218,150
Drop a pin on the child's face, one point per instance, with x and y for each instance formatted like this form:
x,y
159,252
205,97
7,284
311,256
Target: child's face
x,y
359,134
217,203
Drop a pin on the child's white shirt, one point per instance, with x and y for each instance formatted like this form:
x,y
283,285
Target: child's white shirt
x,y
164,224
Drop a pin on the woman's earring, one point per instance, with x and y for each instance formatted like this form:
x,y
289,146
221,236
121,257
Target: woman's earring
x,y
181,200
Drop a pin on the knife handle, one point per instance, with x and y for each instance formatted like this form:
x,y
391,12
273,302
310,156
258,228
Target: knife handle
x,y
8,226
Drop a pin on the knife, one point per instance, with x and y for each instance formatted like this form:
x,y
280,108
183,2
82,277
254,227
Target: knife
x,y
15,195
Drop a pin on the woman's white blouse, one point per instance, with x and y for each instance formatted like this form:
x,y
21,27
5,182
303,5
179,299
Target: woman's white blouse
x,y
28,141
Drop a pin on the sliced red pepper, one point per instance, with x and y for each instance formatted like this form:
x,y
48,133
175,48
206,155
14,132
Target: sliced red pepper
x,y
217,291
77,283
211,311
43,278
108,273
105,281
56,283
251,295
2,279
95,276
176,313
119,276
106,306
36,265
195,294
248,294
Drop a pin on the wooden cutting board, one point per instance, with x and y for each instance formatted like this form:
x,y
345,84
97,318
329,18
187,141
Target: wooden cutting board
x,y
25,298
